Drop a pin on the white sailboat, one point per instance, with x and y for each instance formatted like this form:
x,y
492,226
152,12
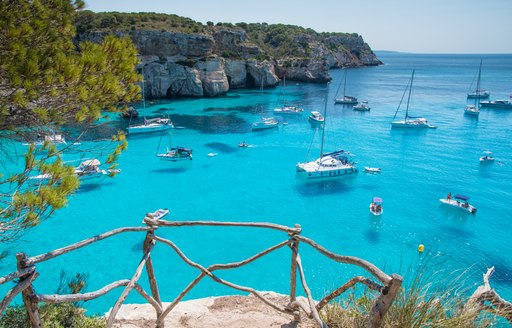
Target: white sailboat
x,y
345,100
149,125
479,93
288,109
328,165
175,154
409,121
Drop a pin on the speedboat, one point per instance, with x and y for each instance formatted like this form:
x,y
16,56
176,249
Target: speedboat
x,y
265,123
316,117
460,202
487,157
87,170
151,125
376,206
362,106
503,104
212,154
243,144
372,169
156,215
471,110
176,154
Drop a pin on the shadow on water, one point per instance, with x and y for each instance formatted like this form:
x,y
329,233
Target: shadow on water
x,y
456,232
170,170
137,248
242,109
221,147
372,234
91,186
323,187
164,109
222,124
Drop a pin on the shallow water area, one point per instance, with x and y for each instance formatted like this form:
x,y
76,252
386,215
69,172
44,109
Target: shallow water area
x,y
259,183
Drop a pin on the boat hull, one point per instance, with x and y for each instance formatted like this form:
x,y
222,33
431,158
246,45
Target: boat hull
x,y
148,129
464,207
412,125
497,104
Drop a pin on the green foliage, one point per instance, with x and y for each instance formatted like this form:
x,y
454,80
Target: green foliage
x,y
87,21
47,81
63,315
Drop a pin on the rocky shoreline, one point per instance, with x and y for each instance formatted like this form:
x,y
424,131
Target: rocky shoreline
x,y
179,64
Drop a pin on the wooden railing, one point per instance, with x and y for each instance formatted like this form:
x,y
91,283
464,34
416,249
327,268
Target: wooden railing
x,y
386,285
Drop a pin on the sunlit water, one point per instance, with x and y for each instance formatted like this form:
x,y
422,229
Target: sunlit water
x,y
259,183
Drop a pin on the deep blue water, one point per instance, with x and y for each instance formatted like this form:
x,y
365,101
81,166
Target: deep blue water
x,y
259,183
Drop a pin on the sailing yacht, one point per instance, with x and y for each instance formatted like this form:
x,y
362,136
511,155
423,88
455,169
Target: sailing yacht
x,y
149,125
175,154
345,100
288,109
333,164
409,121
479,93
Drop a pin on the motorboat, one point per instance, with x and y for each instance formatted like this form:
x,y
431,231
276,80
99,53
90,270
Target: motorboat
x,y
487,157
265,123
176,154
471,110
372,169
212,154
56,139
87,170
243,144
151,125
410,121
376,206
460,202
362,106
503,104
316,117
129,113
156,215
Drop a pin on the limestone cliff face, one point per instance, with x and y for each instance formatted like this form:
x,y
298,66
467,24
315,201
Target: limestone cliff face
x,y
198,65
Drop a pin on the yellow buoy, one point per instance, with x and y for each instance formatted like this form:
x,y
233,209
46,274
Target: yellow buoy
x,y
421,248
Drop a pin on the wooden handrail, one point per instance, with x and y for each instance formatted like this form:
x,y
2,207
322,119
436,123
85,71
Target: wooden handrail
x,y
26,271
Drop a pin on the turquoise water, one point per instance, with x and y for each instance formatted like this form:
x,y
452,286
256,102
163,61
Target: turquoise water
x,y
259,183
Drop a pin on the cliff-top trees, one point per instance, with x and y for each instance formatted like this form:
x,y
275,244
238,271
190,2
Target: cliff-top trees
x,y
46,81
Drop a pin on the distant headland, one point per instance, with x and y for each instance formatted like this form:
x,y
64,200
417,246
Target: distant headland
x,y
184,58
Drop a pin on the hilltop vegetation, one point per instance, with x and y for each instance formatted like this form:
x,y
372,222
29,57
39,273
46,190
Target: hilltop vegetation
x,y
276,40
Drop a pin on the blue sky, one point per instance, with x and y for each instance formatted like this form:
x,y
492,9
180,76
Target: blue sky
x,y
423,26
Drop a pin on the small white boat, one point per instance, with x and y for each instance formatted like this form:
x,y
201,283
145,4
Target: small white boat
x,y
56,139
409,121
176,154
156,215
376,206
487,157
362,106
372,169
471,110
316,117
287,109
460,202
212,154
87,170
151,125
265,123
243,144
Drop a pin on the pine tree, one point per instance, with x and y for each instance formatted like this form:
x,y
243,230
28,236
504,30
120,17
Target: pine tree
x,y
48,81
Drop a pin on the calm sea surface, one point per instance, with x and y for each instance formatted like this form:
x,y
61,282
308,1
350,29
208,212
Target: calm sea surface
x,y
259,183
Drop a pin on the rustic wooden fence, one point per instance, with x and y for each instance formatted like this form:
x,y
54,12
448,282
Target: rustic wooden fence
x,y
387,285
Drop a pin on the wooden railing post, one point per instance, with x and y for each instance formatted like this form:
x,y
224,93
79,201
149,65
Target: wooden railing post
x,y
384,301
28,294
151,275
293,277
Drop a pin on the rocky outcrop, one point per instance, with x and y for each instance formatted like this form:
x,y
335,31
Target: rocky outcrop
x,y
197,65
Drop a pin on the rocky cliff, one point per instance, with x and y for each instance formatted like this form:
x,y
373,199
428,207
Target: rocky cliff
x,y
212,62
